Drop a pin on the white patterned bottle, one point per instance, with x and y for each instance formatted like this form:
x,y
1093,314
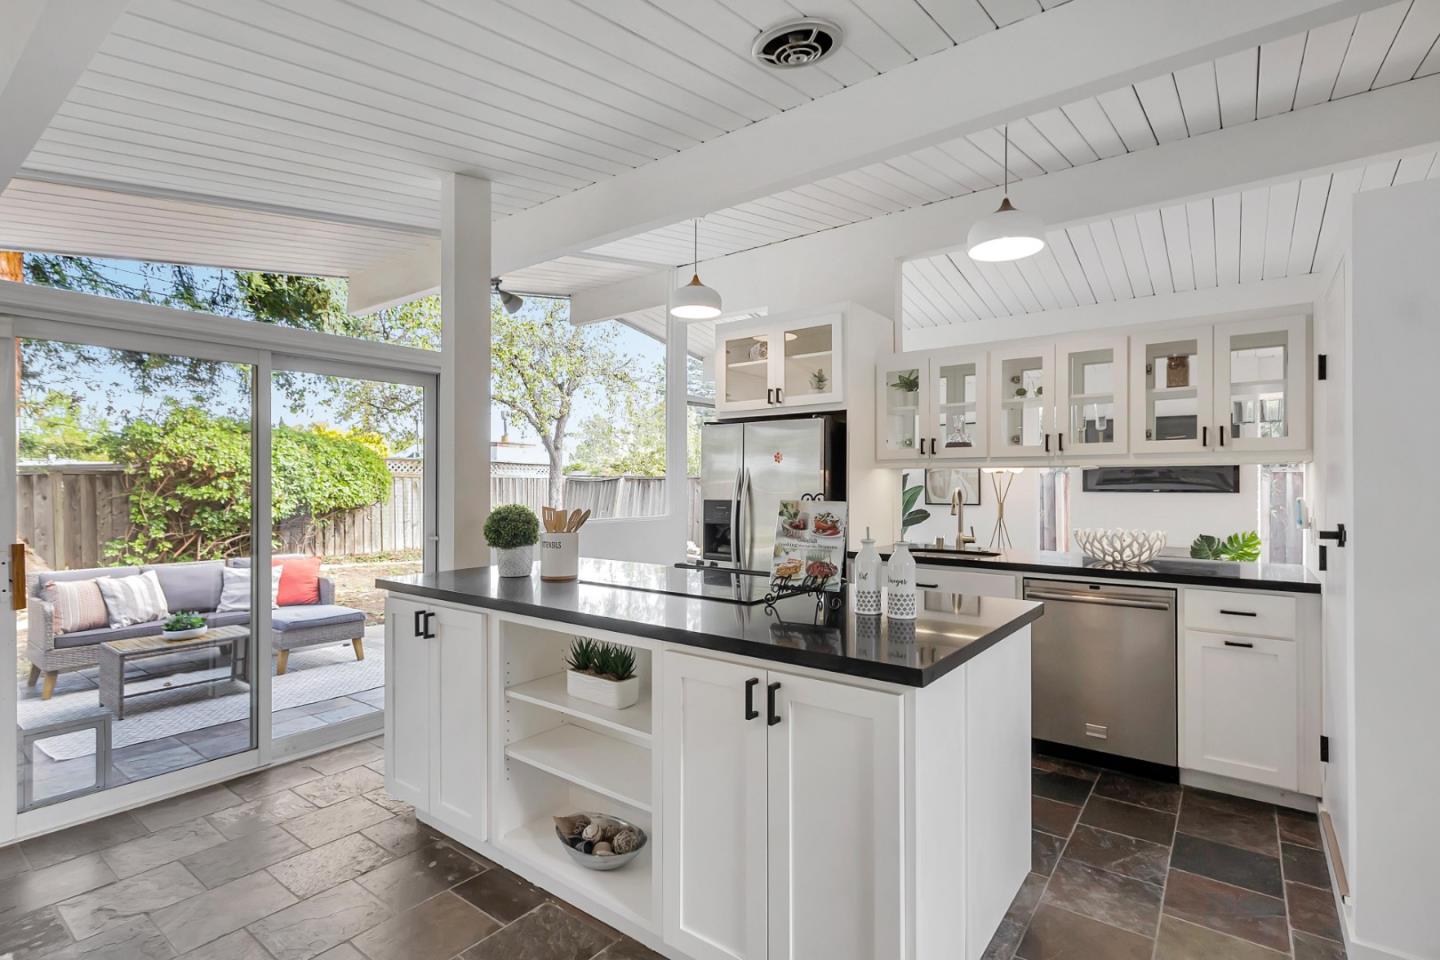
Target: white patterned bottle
x,y
867,577
900,583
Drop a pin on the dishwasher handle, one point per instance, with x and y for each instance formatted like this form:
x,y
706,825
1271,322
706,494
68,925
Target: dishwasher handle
x,y
1099,600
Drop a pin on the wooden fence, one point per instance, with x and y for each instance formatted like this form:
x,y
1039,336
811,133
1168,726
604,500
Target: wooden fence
x,y
67,513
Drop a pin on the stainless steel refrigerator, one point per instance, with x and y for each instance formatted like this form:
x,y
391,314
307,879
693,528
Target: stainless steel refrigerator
x,y
748,466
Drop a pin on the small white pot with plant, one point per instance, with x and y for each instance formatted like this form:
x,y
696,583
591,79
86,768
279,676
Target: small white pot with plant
x,y
513,530
602,673
184,626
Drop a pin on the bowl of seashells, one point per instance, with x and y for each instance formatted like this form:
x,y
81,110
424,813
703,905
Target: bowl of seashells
x,y
598,841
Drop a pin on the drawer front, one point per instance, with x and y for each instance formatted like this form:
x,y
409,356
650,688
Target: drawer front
x,y
1264,615
968,582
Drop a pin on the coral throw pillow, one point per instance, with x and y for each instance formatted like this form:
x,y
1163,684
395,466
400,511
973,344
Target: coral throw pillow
x,y
299,581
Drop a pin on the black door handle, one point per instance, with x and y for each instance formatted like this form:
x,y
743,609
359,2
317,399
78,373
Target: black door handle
x,y
419,630
750,712
772,717
1338,535
426,630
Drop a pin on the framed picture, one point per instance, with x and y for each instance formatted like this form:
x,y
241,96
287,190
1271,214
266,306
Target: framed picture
x,y
940,482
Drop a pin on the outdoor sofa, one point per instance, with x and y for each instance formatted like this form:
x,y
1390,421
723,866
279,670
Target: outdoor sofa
x,y
194,587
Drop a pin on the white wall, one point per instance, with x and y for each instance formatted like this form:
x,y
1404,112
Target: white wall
x,y
1183,516
1395,297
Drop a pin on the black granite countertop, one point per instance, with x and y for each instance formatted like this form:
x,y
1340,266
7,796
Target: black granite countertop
x,y
1283,577
951,628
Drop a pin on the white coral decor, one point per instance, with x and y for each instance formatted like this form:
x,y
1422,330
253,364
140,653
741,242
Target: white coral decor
x,y
1121,546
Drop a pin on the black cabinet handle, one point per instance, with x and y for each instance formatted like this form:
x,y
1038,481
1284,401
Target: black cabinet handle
x,y
1204,436
772,717
1240,613
928,586
1222,436
426,629
1060,439
419,630
770,395
779,395
922,446
933,449
1239,643
1047,443
750,712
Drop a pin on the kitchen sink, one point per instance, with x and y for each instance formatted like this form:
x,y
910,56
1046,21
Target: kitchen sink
x,y
941,552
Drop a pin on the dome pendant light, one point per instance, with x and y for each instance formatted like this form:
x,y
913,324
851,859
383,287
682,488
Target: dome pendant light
x,y
1007,234
695,301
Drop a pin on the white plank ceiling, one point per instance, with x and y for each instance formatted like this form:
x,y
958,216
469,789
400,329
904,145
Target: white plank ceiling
x,y
353,107
1284,230
63,218
1388,45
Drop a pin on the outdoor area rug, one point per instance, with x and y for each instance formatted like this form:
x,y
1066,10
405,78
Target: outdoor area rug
x,y
314,674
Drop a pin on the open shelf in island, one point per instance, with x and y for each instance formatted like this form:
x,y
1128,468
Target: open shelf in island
x,y
550,692
626,891
604,765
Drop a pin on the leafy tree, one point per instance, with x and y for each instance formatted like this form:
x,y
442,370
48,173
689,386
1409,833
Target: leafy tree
x,y
54,428
541,363
189,480
629,438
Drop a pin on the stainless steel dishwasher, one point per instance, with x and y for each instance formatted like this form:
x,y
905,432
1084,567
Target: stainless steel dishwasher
x,y
1104,668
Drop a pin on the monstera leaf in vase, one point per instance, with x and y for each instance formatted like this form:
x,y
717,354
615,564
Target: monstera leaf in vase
x,y
909,516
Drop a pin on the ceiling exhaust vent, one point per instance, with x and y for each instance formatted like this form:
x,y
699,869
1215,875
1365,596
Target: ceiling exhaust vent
x,y
797,44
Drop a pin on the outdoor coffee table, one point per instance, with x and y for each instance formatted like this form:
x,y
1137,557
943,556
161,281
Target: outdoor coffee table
x,y
114,654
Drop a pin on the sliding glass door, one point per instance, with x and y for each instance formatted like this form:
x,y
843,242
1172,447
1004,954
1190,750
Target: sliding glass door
x,y
134,512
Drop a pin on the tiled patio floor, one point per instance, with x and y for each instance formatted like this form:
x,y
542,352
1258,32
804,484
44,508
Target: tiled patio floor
x,y
1128,868
307,860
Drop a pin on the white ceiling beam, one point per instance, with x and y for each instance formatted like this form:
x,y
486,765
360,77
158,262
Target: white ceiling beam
x,y
1079,49
394,280
47,45
853,262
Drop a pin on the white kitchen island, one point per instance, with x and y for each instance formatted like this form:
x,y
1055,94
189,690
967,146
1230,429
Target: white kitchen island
x,y
853,791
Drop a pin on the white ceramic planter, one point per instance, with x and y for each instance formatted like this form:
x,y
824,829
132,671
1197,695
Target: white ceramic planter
x,y
174,636
559,556
607,693
515,561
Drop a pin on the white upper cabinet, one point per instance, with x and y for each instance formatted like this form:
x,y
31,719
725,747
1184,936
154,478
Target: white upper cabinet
x,y
1173,408
771,364
1090,396
1022,392
1261,384
931,405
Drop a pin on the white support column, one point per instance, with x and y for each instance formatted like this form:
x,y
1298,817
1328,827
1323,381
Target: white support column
x,y
464,416
677,486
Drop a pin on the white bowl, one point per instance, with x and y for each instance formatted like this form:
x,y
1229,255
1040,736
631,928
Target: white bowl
x,y
1125,547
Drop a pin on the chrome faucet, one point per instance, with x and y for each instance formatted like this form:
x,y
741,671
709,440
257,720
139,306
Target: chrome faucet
x,y
957,510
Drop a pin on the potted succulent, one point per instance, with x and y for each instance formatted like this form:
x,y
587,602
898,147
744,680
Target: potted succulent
x,y
185,625
513,530
602,673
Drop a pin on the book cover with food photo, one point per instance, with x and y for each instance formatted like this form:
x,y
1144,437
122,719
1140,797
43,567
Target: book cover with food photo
x,y
809,544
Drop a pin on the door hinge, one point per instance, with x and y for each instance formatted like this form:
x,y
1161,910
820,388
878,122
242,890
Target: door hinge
x,y
1320,369
1324,749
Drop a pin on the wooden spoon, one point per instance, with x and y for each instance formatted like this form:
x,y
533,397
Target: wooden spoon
x,y
583,517
574,521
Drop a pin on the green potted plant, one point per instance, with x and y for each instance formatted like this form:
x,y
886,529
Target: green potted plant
x,y
1241,547
602,673
513,530
185,625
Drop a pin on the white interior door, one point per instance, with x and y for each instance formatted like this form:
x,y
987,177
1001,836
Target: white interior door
x,y
836,826
714,831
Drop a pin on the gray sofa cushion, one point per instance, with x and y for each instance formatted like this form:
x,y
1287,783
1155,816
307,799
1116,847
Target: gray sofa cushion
x,y
228,618
190,586
305,615
85,638
43,578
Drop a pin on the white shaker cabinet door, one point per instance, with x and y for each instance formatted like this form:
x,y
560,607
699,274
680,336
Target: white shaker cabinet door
x,y
458,681
1241,711
714,803
836,823
407,703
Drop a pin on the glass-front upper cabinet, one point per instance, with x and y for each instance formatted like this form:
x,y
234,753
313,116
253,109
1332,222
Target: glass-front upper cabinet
x,y
1171,372
1021,391
1261,400
807,364
743,374
1091,411
955,409
899,382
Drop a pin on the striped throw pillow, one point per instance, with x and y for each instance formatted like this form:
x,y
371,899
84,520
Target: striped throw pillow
x,y
77,605
136,599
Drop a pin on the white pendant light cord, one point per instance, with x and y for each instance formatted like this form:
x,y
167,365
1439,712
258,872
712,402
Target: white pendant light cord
x,y
695,250
1005,190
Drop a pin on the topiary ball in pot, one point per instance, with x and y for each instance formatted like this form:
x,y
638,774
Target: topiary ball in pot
x,y
513,531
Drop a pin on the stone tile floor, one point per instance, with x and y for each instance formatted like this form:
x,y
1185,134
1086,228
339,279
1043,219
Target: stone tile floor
x,y
1129,868
307,860
313,860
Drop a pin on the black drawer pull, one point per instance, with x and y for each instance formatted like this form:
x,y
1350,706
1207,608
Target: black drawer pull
x,y
426,632
1240,613
419,630
750,712
928,586
1239,643
773,717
